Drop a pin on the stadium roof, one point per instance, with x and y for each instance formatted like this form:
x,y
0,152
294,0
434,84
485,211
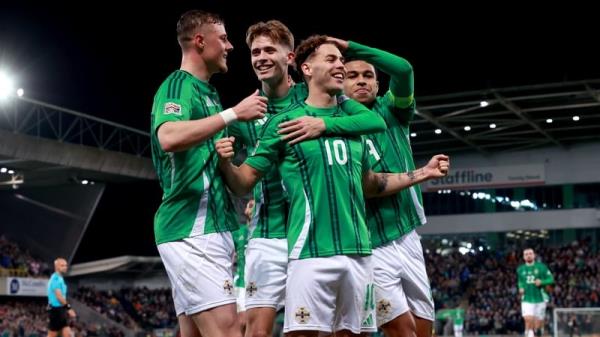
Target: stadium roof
x,y
122,264
555,114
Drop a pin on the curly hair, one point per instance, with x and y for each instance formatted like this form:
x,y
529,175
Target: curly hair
x,y
307,47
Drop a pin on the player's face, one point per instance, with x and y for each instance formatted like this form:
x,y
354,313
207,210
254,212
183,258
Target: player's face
x,y
215,48
270,60
327,70
61,266
361,82
528,255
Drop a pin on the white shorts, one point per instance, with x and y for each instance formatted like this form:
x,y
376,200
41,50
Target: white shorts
x,y
200,271
458,330
330,294
401,282
240,295
538,310
265,273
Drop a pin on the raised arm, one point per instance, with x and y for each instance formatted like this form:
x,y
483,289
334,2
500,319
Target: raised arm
x,y
401,93
384,184
399,69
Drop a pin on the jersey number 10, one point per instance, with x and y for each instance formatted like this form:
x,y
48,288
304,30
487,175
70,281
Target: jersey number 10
x,y
339,148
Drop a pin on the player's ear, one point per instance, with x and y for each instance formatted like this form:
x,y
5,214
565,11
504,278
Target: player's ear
x,y
306,69
290,58
199,40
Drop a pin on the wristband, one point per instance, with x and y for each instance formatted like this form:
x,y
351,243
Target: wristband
x,y
229,116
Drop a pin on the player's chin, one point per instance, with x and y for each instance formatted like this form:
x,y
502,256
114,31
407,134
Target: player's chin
x,y
223,67
364,99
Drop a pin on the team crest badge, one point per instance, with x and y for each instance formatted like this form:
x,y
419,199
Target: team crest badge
x,y
383,307
302,315
172,109
251,289
228,287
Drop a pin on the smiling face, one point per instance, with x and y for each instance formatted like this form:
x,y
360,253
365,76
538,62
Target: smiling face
x,y
361,81
270,60
325,69
214,47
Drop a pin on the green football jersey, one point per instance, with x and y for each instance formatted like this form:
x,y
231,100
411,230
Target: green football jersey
x,y
271,203
457,315
526,276
195,201
390,151
323,180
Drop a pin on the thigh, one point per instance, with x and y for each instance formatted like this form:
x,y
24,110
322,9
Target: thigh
x,y
200,271
356,313
390,298
266,273
415,281
311,291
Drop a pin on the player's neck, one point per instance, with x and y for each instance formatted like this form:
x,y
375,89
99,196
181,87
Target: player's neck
x,y
530,263
195,66
278,89
320,99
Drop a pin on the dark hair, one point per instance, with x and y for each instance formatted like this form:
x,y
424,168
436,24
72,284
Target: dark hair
x,y
352,59
307,47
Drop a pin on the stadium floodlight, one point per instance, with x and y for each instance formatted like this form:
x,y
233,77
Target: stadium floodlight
x,y
6,85
549,120
483,104
20,92
11,172
3,170
413,134
438,131
492,126
467,128
576,118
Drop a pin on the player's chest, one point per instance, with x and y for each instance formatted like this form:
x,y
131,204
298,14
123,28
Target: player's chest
x,y
205,105
330,151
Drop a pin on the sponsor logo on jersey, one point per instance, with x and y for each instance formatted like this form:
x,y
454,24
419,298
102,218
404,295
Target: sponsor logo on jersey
x,y
209,102
262,121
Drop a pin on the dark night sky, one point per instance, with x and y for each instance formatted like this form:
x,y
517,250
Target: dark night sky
x,y
107,61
